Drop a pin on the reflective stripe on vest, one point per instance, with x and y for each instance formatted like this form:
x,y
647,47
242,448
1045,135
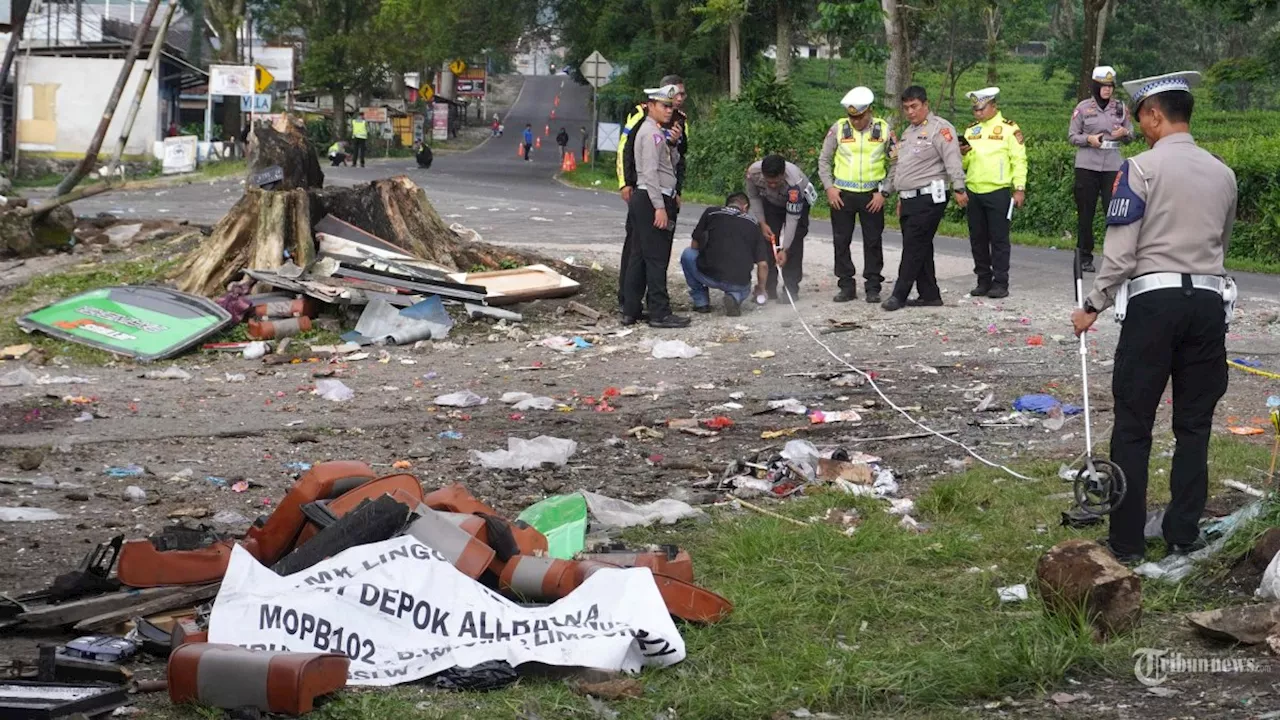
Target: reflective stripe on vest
x,y
859,160
622,144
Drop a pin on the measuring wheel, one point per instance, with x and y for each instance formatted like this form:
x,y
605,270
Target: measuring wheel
x,y
1099,487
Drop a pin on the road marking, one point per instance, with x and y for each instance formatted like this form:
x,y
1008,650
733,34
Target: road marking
x,y
561,83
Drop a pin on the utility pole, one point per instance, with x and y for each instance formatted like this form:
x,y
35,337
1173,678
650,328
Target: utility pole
x,y
20,10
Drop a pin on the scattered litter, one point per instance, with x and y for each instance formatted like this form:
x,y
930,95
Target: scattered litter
x,y
1042,404
27,514
763,354
1012,593
173,372
925,369
522,401
23,376
381,323
15,352
1175,568
126,471
255,350
563,520
790,405
1246,489
819,417
613,513
644,432
240,486
333,390
229,517
670,349
83,417
775,434
133,493
450,435
1246,430
235,377
464,398
524,454
901,506
849,380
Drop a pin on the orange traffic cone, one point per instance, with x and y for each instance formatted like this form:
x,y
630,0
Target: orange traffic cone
x,y
573,161
556,102
565,162
520,150
546,130
553,114
586,157
537,143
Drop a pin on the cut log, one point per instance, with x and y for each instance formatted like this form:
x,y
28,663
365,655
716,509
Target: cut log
x,y
1078,575
255,234
285,144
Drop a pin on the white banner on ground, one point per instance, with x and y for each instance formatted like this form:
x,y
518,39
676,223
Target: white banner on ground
x,y
401,612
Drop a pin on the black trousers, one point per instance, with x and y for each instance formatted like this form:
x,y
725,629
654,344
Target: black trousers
x,y
357,155
989,235
776,217
1089,186
628,246
919,222
842,224
647,263
1178,333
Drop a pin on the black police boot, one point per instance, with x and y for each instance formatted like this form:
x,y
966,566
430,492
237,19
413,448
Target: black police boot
x,y
917,302
702,308
1199,543
846,295
1128,559
1086,265
998,291
873,295
892,304
732,307
980,290
670,322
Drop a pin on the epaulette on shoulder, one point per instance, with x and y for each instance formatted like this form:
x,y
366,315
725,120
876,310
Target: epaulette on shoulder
x,y
1007,121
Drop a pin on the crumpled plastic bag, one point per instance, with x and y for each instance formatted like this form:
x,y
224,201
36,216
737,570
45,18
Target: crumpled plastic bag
x,y
1041,403
465,398
527,401
524,454
613,513
255,350
669,349
173,372
333,390
1269,588
27,514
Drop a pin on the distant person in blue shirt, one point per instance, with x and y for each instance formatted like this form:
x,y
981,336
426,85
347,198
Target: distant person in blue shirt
x,y
528,140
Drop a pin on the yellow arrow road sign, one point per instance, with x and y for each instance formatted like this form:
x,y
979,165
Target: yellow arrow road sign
x,y
262,78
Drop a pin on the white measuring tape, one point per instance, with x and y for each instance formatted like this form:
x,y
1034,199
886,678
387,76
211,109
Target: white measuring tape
x,y
891,404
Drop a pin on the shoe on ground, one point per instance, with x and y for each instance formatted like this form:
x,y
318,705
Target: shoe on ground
x,y
845,296
732,307
702,308
628,321
917,302
873,296
1087,266
670,321
892,304
1127,559
1199,543
980,291
998,291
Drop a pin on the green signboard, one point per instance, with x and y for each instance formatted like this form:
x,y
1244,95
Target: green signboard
x,y
146,323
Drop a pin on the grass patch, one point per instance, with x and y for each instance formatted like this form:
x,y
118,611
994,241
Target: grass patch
x,y
603,177
56,286
883,623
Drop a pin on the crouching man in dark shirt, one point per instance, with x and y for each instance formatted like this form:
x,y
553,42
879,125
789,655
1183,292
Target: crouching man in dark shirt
x,y
727,243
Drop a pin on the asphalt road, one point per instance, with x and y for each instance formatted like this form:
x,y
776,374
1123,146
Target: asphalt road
x,y
510,201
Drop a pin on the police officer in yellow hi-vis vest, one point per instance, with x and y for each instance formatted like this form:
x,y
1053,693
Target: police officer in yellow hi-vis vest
x,y
360,133
859,145
995,168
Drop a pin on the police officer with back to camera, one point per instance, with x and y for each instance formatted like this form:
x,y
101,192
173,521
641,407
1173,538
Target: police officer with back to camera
x,y
995,171
859,144
1168,225
1100,124
677,134
652,214
927,156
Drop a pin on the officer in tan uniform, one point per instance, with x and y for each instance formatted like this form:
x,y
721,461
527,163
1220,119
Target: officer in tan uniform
x,y
1168,225
1100,124
652,211
928,155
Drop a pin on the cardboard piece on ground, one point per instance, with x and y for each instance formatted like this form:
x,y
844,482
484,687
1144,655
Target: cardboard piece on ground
x,y
15,352
532,282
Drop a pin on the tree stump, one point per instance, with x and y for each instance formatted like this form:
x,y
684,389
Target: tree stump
x,y
1078,575
254,234
285,144
396,210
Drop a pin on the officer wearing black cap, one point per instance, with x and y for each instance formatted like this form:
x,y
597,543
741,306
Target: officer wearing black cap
x,y
1168,225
